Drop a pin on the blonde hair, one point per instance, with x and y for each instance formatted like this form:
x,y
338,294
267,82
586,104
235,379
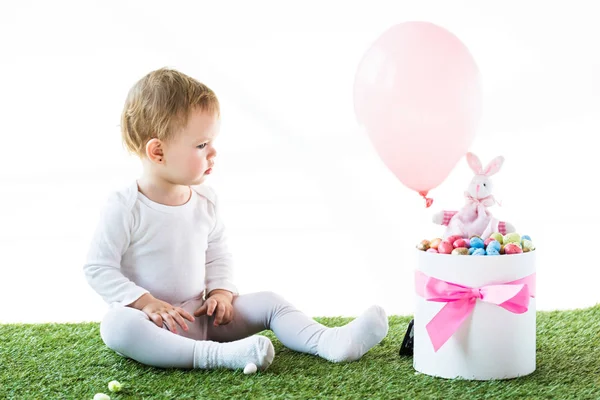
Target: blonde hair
x,y
159,104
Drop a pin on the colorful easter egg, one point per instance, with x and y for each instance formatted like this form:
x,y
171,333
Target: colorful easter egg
x,y
454,238
493,244
477,242
512,248
512,237
479,251
115,386
498,237
460,251
445,247
525,237
435,243
430,250
461,243
492,251
472,250
424,245
527,244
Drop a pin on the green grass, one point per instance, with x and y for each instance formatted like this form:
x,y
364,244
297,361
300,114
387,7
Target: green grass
x,y
69,361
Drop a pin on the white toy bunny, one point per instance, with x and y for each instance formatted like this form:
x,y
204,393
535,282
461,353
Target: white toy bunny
x,y
474,218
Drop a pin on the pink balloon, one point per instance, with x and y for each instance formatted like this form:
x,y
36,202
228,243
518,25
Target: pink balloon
x,y
417,93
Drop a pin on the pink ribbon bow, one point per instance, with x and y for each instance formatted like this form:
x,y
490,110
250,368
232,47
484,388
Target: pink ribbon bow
x,y
487,201
460,302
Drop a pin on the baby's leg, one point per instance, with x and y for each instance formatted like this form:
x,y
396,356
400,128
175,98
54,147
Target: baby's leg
x,y
256,312
130,333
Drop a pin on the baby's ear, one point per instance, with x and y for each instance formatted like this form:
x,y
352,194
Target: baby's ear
x,y
494,166
474,163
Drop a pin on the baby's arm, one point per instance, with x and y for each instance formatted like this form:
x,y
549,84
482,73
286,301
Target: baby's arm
x,y
219,262
102,268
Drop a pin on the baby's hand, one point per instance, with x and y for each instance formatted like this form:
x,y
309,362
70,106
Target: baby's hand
x,y
221,301
162,312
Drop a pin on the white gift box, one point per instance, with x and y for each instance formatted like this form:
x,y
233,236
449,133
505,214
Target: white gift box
x,y
492,342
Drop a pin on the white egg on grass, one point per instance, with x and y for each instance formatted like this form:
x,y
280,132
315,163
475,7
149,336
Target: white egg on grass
x,y
250,368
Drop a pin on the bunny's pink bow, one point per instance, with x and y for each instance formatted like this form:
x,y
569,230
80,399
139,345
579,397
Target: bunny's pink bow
x,y
486,201
460,302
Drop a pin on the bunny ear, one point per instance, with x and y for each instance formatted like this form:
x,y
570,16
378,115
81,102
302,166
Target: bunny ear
x,y
474,163
494,166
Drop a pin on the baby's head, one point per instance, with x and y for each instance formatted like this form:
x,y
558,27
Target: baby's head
x,y
170,121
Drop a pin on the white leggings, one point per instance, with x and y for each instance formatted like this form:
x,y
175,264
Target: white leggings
x,y
132,334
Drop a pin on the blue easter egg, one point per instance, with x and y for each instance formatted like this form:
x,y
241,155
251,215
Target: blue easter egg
x,y
493,252
493,245
479,252
477,242
471,250
525,237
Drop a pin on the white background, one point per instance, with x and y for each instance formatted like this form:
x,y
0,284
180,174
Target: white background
x,y
312,212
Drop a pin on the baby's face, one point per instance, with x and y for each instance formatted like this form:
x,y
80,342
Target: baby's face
x,y
190,155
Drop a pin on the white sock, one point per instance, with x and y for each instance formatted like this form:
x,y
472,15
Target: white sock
x,y
234,355
350,342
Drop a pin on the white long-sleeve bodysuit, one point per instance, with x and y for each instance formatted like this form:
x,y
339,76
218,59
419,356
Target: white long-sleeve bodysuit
x,y
175,253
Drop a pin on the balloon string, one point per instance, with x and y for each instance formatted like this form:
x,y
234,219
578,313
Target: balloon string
x,y
428,201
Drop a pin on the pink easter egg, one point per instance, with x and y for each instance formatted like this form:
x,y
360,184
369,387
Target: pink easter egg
x,y
454,238
512,248
445,247
461,243
430,250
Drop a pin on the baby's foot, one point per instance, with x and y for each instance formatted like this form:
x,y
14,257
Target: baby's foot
x,y
235,355
350,342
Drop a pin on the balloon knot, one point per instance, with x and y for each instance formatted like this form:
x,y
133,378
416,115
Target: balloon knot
x,y
428,201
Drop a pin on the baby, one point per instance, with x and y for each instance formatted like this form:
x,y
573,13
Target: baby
x,y
159,255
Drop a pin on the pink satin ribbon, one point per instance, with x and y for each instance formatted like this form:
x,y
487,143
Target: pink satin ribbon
x,y
487,201
460,302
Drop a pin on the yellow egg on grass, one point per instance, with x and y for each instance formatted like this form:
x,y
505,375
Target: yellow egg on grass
x,y
114,386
